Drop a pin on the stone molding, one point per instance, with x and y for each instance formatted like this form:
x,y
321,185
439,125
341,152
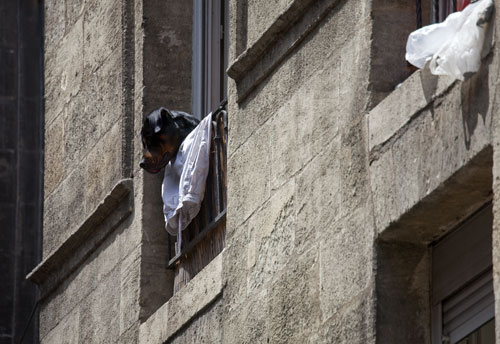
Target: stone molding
x,y
58,264
392,114
202,291
286,32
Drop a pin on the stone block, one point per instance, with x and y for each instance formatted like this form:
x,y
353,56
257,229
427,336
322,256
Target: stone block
x,y
54,156
54,26
186,306
346,261
318,196
353,324
98,313
206,328
354,176
63,72
294,301
66,332
103,166
392,113
81,132
74,10
303,125
271,230
103,33
262,14
130,271
406,157
383,192
64,210
249,174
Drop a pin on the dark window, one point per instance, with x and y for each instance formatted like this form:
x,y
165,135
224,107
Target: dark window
x,y
462,283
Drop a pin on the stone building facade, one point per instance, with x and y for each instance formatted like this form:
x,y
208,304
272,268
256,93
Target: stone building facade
x,y
346,173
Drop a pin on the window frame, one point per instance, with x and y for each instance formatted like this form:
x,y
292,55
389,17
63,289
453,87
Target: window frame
x,y
210,55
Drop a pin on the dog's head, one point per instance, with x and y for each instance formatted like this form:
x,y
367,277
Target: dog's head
x,y
162,133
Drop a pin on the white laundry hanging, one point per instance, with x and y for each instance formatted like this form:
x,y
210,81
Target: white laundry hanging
x,y
184,180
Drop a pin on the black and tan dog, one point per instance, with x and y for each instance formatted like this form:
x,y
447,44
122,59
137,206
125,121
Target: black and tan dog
x,y
162,133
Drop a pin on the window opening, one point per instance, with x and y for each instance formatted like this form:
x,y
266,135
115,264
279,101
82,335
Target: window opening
x,y
204,238
440,9
462,283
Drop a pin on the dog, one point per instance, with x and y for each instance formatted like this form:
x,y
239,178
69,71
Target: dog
x,y
162,134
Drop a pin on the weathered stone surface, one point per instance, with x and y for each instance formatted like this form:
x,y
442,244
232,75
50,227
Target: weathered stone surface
x,y
63,72
66,332
98,320
354,323
261,14
314,184
54,155
65,210
344,274
294,303
249,174
103,167
54,24
271,230
184,306
318,199
103,32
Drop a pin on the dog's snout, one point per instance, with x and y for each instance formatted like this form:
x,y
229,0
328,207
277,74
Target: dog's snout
x,y
142,164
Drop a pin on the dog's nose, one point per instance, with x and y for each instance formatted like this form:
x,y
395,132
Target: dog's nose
x,y
142,164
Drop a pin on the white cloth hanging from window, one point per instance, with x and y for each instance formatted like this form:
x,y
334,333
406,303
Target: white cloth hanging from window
x,y
454,46
184,181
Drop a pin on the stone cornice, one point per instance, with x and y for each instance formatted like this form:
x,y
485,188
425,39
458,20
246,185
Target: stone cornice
x,y
58,264
286,32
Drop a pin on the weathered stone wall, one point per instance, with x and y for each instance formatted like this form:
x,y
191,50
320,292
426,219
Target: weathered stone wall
x,y
91,291
103,266
298,267
333,192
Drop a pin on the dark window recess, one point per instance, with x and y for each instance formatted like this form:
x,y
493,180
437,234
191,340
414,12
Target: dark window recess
x,y
204,238
440,9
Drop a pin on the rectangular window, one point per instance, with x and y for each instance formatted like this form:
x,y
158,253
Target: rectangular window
x,y
204,238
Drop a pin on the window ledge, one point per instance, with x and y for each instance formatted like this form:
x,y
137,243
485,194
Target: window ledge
x,y
405,103
58,264
197,295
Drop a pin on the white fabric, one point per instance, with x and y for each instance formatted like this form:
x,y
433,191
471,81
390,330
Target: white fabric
x,y
184,181
453,46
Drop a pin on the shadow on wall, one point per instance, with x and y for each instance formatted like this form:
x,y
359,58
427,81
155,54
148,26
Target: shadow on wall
x,y
475,101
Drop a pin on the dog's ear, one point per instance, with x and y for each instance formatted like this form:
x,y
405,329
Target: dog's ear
x,y
165,119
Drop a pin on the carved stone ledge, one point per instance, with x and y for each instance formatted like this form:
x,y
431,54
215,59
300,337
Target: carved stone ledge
x,y
116,207
288,30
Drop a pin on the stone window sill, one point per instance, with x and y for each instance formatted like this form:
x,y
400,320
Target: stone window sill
x,y
180,309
